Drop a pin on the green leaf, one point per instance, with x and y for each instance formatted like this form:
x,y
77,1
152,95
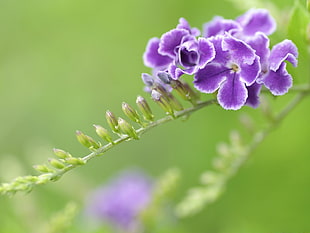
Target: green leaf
x,y
298,32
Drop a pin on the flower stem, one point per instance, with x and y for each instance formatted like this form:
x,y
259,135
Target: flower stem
x,y
27,183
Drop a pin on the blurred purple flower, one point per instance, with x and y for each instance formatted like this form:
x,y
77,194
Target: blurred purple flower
x,y
120,202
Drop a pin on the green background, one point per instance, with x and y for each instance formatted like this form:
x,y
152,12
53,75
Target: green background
x,y
63,63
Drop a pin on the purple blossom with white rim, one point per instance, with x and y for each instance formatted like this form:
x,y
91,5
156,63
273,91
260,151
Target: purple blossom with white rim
x,y
219,26
152,58
274,75
183,24
234,67
256,20
121,201
192,55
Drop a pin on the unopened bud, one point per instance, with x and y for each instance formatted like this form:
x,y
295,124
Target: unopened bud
x,y
43,168
130,112
112,121
147,79
162,102
61,153
86,141
75,161
175,104
56,163
180,89
127,128
144,108
164,77
103,133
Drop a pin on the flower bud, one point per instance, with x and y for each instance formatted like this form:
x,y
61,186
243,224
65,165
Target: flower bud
x,y
147,79
126,128
175,104
162,102
112,121
43,168
61,153
56,163
180,89
75,161
164,77
86,140
130,112
144,108
103,133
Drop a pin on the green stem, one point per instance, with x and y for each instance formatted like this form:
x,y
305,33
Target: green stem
x,y
260,136
105,148
27,183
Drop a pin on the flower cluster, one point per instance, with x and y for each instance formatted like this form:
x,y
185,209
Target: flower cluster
x,y
230,57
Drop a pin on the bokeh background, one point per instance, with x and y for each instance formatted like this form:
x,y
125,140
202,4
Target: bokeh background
x,y
63,63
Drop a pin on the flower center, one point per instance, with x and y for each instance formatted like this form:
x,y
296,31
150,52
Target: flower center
x,y
235,67
188,58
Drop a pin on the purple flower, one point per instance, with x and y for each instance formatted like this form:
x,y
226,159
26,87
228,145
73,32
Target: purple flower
x,y
220,26
192,55
274,75
120,202
234,67
232,57
152,58
248,24
256,20
183,24
160,53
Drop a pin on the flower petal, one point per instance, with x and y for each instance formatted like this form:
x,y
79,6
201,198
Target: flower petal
x,y
285,50
249,73
183,24
209,79
170,40
278,82
257,20
232,94
218,26
221,56
188,54
260,43
152,58
175,71
253,95
206,51
240,51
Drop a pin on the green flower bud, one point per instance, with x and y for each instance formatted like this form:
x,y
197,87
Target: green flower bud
x,y
43,168
162,102
56,163
103,133
175,104
75,161
86,141
127,128
130,112
61,153
112,121
144,108
180,89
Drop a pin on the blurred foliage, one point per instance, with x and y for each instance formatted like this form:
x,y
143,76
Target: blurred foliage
x,y
64,62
